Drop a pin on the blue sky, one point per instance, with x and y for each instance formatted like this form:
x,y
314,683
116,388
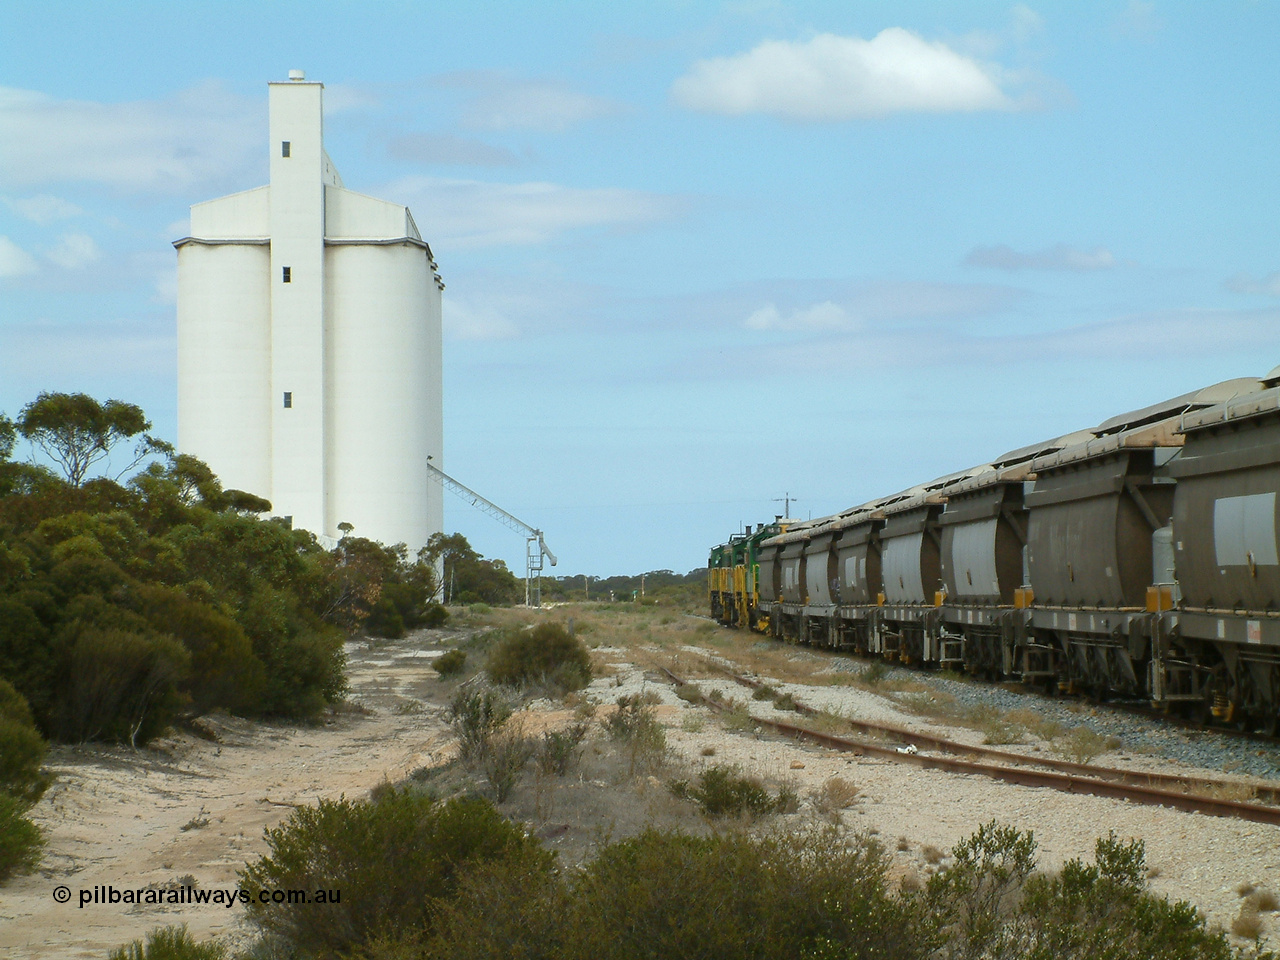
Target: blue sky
x,y
698,255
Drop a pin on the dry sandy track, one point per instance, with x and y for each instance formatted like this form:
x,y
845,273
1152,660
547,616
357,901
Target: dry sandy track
x,y
117,817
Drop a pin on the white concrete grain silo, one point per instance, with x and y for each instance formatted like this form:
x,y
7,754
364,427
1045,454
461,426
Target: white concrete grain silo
x,y
309,342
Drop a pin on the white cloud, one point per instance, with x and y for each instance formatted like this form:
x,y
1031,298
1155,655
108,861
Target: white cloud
x,y
1244,283
14,261
474,213
200,138
74,251
1173,334
1026,23
341,97
1139,21
44,209
500,102
840,78
820,316
48,353
445,148
1059,257
824,307
469,320
165,286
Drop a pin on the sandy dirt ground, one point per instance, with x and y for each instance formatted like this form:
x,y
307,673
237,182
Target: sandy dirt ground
x,y
196,807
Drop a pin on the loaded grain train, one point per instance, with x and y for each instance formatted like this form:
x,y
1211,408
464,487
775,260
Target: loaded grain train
x,y
1137,559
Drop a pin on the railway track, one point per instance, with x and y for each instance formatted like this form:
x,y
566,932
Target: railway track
x,y
1190,794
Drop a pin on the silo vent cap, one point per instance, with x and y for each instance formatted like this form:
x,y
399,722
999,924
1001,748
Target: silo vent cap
x,y
297,75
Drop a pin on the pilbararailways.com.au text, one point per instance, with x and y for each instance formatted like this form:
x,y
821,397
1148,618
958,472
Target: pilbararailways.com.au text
x,y
109,894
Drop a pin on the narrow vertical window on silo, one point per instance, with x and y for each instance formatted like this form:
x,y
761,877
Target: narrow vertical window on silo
x,y
287,275
284,148
288,399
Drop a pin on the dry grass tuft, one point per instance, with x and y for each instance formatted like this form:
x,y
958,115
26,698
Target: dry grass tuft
x,y
932,855
737,718
910,882
1035,724
1264,901
835,795
1245,888
1247,924
1082,745
904,844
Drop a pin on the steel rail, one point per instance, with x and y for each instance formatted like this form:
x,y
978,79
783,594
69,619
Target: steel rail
x,y
1023,776
1166,781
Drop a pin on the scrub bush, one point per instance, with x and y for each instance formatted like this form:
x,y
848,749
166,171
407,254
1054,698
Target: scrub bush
x,y
22,749
726,896
723,791
546,654
434,616
20,839
121,686
391,859
476,715
636,726
991,903
504,760
451,664
169,943
559,750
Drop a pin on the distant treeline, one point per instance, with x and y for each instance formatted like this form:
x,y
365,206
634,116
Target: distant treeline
x,y
662,587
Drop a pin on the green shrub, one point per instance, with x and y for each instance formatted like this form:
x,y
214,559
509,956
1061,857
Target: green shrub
x,y
635,724
391,859
451,664
723,791
502,910
504,760
385,620
475,716
1081,745
20,839
122,686
990,902
658,895
873,674
546,654
306,672
22,749
976,894
169,943
1103,909
731,895
434,616
558,752
224,671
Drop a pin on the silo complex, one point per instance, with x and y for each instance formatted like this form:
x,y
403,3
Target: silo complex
x,y
309,342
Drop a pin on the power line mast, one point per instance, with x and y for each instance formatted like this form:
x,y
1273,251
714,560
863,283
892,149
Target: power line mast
x,y
535,547
786,502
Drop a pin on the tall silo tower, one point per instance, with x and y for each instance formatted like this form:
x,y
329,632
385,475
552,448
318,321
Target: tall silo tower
x,y
309,342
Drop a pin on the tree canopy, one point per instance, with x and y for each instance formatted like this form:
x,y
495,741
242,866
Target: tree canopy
x,y
124,604
76,431
467,577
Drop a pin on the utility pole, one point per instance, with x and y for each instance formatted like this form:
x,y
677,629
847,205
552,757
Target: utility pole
x,y
786,504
